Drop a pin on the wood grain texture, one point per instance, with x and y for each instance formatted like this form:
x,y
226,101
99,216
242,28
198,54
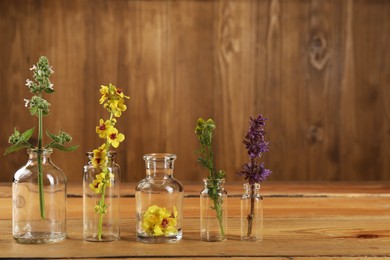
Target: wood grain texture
x,y
318,70
301,221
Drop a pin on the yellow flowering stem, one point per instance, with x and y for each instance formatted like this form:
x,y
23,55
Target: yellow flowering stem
x,y
100,225
40,175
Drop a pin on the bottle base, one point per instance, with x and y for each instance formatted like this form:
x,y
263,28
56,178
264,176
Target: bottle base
x,y
210,238
159,239
39,237
251,239
104,238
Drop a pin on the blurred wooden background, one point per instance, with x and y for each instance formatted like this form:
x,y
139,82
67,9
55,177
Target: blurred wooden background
x,y
319,71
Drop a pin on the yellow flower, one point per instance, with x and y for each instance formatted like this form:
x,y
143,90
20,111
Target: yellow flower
x,y
116,106
105,93
159,221
96,185
99,156
103,127
114,137
111,93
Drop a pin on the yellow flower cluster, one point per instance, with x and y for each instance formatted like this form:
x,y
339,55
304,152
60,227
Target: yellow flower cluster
x,y
106,130
102,179
159,221
113,99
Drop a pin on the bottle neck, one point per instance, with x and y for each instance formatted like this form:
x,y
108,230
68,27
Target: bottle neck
x,y
111,157
44,153
159,173
210,183
159,166
252,189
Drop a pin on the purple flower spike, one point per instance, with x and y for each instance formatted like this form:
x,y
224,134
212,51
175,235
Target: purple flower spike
x,y
256,145
254,140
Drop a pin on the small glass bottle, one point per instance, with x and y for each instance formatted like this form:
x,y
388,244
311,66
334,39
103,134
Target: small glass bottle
x,y
213,211
251,213
101,226
159,201
39,217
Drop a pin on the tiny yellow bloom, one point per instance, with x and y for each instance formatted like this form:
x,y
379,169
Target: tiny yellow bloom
x,y
105,93
117,107
103,127
96,186
114,137
99,156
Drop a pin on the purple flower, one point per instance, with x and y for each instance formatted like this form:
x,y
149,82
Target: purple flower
x,y
254,140
255,174
256,145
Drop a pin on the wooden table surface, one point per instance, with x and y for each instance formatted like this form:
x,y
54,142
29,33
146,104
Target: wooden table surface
x,y
301,221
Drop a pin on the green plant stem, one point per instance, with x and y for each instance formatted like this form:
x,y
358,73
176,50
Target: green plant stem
x,y
100,225
251,214
216,198
218,209
102,204
40,175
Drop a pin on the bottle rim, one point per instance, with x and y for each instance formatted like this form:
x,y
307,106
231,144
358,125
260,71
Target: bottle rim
x,y
109,154
35,150
160,157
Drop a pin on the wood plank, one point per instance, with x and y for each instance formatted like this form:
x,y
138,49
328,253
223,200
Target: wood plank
x,y
295,227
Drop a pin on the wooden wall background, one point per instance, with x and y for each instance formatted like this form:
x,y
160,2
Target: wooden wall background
x,y
319,71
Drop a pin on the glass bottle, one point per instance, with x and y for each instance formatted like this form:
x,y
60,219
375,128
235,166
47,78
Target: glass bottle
x,y
213,211
101,226
159,201
252,213
33,221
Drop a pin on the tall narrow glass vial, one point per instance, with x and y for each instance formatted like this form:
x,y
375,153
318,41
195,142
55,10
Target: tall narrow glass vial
x,y
159,201
251,213
98,226
213,211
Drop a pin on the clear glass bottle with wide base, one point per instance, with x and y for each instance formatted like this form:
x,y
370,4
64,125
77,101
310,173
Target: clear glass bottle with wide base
x,y
159,201
39,215
251,213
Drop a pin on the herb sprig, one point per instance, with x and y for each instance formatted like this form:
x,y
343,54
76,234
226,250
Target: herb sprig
x,y
39,107
204,131
254,171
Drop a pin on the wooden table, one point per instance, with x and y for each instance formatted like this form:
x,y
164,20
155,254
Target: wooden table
x,y
301,221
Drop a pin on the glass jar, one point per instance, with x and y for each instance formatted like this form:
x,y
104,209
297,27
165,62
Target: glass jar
x,y
213,211
159,201
39,214
101,201
252,213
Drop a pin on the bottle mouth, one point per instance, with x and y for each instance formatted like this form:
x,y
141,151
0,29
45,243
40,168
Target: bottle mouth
x,y
160,157
35,150
109,154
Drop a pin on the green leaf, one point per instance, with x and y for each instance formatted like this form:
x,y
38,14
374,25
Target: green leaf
x,y
63,148
33,111
15,148
49,90
27,134
52,136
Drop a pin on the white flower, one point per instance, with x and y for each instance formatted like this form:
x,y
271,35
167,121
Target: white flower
x,y
29,83
33,67
51,70
51,86
26,102
39,72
